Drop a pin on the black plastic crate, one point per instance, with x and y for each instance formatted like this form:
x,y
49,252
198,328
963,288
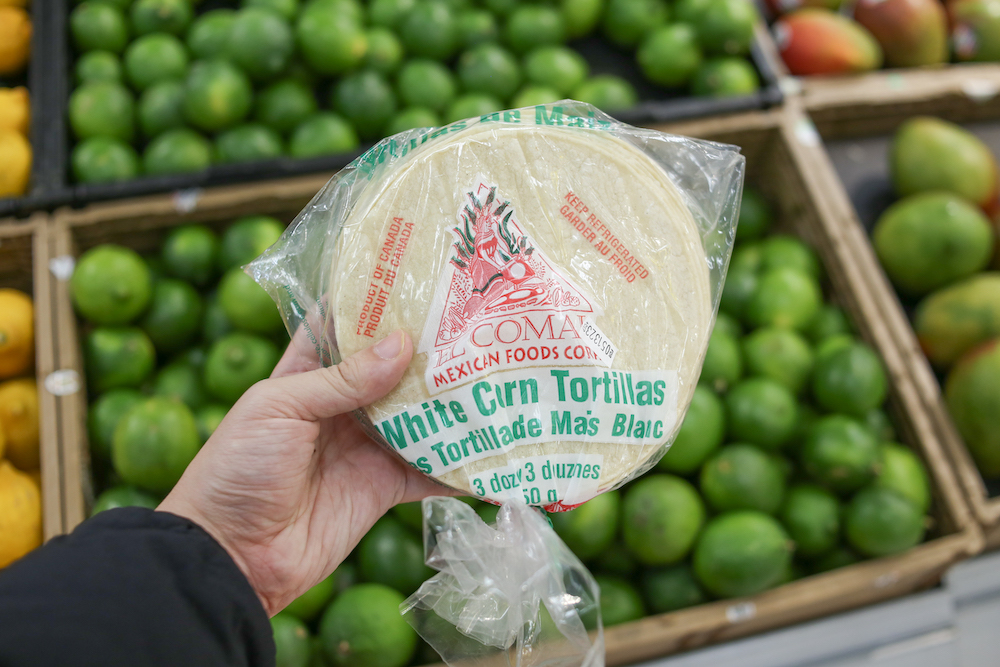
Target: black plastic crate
x,y
657,105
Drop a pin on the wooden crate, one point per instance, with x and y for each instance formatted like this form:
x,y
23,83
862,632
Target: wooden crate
x,y
24,265
946,105
779,165
140,224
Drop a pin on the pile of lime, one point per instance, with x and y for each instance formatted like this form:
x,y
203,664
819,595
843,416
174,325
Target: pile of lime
x,y
278,77
170,341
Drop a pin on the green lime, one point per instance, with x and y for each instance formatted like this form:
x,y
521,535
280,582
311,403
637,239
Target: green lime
x,y
487,512
590,528
762,412
237,361
741,285
102,109
246,304
878,422
476,26
247,143
840,453
363,628
756,215
98,66
785,297
581,16
471,106
725,27
154,442
669,55
323,133
173,316
411,515
881,522
98,26
661,517
307,606
217,95
533,26
723,366
701,433
291,641
850,380
670,588
182,382
426,83
154,58
783,251
389,13
531,96
501,8
728,76
742,477
741,553
366,100
780,355
103,160
190,252
208,418
260,42
286,9
209,34
728,324
161,108
607,92
811,515
556,67
489,69
620,602
839,557
412,118
103,417
385,51
245,239
171,16
177,151
833,344
429,30
690,11
123,496
903,472
110,285
352,9
829,321
214,324
627,22
392,555
283,105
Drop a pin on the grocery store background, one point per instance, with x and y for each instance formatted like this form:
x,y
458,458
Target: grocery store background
x,y
850,380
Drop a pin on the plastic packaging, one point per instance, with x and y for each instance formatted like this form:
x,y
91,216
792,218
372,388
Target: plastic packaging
x,y
558,272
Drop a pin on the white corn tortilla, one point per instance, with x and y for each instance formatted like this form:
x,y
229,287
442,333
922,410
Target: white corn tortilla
x,y
661,322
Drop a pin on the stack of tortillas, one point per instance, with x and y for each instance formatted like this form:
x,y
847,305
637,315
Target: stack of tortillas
x,y
599,236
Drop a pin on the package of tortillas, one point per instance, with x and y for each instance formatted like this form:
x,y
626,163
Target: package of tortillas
x,y
558,273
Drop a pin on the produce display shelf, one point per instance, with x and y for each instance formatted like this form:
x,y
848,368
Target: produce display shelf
x,y
657,105
24,265
856,175
140,224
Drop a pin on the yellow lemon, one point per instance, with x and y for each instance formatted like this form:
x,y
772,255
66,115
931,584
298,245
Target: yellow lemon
x,y
15,39
19,421
17,330
15,156
15,109
13,3
20,514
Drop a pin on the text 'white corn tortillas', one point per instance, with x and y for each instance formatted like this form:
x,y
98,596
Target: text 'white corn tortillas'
x,y
557,292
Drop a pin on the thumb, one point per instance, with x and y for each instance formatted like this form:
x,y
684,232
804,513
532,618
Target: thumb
x,y
358,380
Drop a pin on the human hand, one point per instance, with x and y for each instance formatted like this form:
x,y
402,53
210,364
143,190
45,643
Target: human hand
x,y
289,482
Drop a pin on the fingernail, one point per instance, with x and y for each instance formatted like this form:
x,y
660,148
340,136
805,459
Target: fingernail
x,y
390,347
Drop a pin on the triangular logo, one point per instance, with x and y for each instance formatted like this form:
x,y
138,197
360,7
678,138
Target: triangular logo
x,y
498,298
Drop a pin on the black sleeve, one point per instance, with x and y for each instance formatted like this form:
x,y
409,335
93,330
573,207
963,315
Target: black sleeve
x,y
135,588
